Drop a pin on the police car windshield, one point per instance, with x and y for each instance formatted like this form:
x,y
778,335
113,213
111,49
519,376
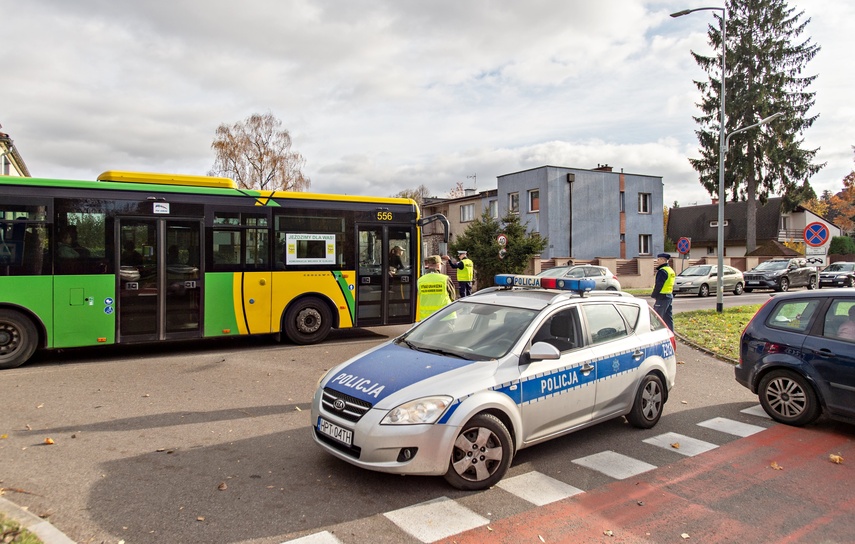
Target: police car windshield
x,y
471,330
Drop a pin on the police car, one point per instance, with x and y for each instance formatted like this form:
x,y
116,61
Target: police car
x,y
490,374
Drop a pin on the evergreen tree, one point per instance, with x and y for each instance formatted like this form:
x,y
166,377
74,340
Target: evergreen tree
x,y
765,62
479,240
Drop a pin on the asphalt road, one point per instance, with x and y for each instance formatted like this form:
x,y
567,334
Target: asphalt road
x,y
211,442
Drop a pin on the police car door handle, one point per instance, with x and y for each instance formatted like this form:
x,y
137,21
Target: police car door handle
x,y
587,368
638,354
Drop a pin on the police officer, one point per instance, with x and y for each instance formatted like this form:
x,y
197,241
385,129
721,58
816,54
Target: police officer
x,y
663,289
465,274
435,288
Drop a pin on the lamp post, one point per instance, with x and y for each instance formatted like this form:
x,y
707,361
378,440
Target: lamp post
x,y
719,304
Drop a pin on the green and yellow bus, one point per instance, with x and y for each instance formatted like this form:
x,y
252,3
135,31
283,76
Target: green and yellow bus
x,y
140,257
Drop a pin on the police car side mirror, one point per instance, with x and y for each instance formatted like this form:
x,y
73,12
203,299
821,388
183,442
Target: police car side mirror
x,y
541,351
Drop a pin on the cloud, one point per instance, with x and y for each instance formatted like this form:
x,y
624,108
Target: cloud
x,y
384,95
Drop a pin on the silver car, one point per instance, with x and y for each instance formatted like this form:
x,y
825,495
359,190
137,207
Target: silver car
x,y
604,279
702,280
464,390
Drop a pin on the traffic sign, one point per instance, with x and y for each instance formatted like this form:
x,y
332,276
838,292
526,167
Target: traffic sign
x,y
684,245
502,240
816,234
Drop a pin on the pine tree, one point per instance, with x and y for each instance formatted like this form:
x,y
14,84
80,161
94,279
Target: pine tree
x,y
765,62
479,240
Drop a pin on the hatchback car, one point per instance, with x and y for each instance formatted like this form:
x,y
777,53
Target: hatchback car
x,y
702,280
506,368
604,279
838,274
798,354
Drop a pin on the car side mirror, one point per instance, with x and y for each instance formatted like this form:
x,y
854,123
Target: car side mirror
x,y
542,351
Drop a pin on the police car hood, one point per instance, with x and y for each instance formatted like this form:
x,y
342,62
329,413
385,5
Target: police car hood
x,y
379,374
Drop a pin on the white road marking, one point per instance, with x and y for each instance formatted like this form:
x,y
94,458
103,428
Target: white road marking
x,y
538,488
756,411
680,443
436,519
730,426
614,464
324,537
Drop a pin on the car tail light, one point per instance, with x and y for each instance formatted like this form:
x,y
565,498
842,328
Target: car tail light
x,y
674,343
772,347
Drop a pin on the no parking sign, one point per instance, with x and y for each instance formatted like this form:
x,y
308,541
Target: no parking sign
x,y
684,245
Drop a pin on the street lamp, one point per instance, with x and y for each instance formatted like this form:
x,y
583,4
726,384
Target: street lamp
x,y
719,305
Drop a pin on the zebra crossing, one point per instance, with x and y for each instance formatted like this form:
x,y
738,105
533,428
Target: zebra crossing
x,y
442,517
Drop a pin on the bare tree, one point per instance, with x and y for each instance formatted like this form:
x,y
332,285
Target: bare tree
x,y
419,194
257,154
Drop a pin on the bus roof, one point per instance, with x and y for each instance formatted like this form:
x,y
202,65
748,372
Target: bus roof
x,y
168,179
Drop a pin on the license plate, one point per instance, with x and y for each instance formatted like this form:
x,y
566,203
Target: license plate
x,y
752,282
345,436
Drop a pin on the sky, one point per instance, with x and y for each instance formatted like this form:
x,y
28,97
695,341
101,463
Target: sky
x,y
380,96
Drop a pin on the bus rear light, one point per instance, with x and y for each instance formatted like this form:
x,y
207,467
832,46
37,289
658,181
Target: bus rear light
x,y
102,339
227,331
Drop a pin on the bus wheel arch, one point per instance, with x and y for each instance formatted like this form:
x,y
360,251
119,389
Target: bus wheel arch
x,y
19,338
308,320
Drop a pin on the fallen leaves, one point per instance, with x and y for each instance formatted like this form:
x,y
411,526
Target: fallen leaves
x,y
49,441
837,459
222,486
776,466
608,532
676,445
685,536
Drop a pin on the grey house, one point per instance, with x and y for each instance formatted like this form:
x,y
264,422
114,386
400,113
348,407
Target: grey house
x,y
587,214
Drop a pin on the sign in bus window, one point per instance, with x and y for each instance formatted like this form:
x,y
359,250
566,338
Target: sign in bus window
x,y
309,249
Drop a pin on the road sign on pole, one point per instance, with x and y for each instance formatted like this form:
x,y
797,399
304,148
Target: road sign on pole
x,y
684,245
816,234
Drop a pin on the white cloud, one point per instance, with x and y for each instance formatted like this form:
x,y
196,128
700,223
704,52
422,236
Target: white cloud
x,y
383,95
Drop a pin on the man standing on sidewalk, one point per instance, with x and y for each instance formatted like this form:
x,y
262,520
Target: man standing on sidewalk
x,y
465,272
663,289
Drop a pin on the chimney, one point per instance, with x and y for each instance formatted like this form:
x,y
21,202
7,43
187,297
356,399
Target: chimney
x,y
715,201
603,168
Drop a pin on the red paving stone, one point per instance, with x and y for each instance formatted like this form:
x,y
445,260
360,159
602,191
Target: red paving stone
x,y
730,494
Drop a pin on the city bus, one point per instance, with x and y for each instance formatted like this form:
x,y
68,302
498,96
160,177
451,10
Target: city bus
x,y
140,257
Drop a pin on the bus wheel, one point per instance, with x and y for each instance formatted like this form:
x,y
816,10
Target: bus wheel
x,y
18,339
308,321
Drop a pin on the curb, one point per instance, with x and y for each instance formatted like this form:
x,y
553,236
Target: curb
x,y
31,522
704,350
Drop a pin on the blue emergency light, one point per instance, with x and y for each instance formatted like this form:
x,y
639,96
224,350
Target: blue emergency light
x,y
576,285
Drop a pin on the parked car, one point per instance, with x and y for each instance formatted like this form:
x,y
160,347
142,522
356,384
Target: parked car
x,y
798,354
780,275
604,279
840,274
702,280
506,368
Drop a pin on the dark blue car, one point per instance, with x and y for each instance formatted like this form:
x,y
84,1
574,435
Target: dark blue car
x,y
798,355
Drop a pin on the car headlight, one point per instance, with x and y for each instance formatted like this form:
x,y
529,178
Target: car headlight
x,y
419,411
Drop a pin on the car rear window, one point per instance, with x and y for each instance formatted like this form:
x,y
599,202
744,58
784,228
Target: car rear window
x,y
793,315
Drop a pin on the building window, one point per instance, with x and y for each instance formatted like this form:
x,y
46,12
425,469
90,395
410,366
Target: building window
x,y
514,203
467,213
643,202
711,250
534,201
622,201
494,208
644,243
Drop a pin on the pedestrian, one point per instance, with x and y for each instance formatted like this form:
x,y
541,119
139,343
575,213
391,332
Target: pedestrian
x,y
435,288
465,272
663,289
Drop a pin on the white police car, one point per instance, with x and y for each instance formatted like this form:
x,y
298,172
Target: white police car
x,y
506,368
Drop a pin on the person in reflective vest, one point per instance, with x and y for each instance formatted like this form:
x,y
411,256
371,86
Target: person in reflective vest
x,y
465,272
663,289
435,288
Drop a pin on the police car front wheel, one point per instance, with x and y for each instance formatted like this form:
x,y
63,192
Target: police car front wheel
x,y
482,454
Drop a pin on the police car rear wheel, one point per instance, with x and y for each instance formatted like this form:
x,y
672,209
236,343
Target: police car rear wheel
x,y
482,454
649,400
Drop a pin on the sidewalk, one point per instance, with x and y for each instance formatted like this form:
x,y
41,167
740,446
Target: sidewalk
x,y
778,485
34,524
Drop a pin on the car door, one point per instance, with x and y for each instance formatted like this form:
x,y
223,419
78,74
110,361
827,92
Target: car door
x,y
617,358
833,358
598,275
558,394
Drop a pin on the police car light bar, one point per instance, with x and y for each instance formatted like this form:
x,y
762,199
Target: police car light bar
x,y
576,285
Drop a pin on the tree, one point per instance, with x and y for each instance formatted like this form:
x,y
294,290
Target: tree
x,y
419,194
841,245
257,154
480,242
841,207
764,61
